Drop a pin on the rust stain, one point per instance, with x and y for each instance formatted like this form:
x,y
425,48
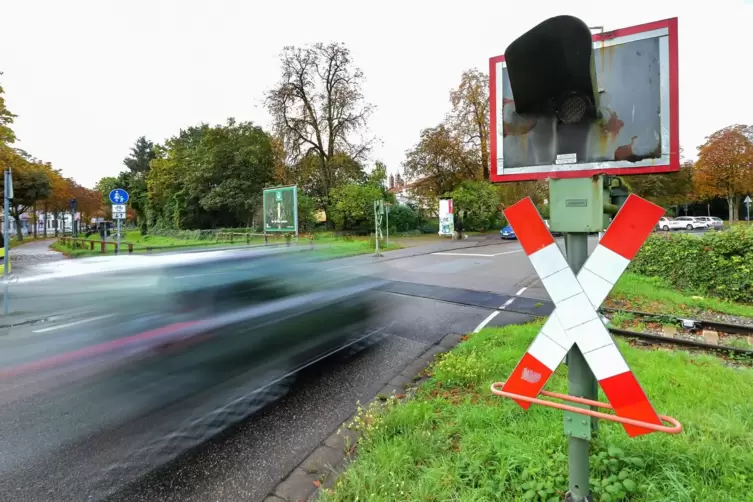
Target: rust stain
x,y
625,152
614,125
518,128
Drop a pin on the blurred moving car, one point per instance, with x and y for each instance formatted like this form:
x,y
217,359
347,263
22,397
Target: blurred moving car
x,y
158,354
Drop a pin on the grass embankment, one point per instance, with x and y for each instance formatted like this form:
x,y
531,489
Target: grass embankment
x,y
652,294
456,441
325,244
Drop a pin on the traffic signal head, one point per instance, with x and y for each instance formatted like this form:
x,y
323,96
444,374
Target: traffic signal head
x,y
551,71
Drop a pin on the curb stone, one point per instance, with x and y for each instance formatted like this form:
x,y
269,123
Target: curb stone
x,y
320,469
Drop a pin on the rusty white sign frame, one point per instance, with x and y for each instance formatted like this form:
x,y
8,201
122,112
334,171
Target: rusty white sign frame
x,y
666,31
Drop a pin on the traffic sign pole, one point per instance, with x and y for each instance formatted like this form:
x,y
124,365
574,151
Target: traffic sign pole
x,y
6,247
575,328
747,206
581,383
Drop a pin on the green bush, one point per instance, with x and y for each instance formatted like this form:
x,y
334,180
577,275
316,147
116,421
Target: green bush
x,y
718,264
403,218
430,227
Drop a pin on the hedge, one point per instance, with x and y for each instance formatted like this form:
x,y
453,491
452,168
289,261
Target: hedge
x,y
716,264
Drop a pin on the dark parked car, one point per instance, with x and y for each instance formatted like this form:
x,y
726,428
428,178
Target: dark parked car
x,y
156,355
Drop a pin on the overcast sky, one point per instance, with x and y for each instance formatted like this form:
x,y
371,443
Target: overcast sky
x,y
87,77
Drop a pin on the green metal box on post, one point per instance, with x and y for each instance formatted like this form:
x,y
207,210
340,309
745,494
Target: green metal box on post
x,y
576,204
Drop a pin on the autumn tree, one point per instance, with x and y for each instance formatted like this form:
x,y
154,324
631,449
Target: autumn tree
x,y
670,189
319,114
30,185
59,199
725,166
469,117
440,161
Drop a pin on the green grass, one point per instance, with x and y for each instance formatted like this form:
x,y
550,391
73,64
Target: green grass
x,y
651,294
456,441
325,245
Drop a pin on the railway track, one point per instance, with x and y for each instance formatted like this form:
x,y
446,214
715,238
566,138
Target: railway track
x,y
543,308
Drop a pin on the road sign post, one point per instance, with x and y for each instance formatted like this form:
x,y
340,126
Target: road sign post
x,y
747,205
118,198
378,212
577,330
387,207
546,122
7,195
280,207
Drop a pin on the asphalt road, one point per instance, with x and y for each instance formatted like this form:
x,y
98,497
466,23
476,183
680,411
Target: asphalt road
x,y
430,296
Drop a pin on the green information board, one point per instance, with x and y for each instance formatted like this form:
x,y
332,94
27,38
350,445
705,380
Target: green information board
x,y
281,209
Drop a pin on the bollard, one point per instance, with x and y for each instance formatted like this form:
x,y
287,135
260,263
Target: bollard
x,y
102,246
130,247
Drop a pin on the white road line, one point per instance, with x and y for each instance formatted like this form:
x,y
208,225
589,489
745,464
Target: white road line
x,y
507,303
75,323
521,291
486,321
448,253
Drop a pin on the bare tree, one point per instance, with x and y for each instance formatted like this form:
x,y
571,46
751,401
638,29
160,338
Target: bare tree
x,y
320,114
469,117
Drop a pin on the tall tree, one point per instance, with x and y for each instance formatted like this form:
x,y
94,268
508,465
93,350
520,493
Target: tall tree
x,y
440,161
319,112
58,202
470,113
208,177
7,136
725,166
30,185
667,190
138,163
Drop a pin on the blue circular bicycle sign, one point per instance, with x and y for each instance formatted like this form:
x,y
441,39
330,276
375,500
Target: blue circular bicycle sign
x,y
118,196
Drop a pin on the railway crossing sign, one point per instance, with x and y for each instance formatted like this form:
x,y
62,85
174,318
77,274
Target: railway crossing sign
x,y
575,320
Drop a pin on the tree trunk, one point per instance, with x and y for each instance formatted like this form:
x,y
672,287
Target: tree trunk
x,y
19,234
44,229
731,207
57,222
36,220
736,207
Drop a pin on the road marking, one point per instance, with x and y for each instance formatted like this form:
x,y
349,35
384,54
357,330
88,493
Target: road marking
x,y
521,291
507,303
486,321
477,254
74,323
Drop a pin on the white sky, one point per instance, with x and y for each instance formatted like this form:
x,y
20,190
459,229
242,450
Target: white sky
x,y
87,77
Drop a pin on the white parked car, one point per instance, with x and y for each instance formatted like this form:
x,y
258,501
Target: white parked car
x,y
692,222
712,221
666,223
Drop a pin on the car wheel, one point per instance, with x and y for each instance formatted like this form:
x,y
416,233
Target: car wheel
x,y
689,227
665,228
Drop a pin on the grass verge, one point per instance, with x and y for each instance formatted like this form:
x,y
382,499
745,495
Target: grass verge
x,y
456,441
651,294
326,246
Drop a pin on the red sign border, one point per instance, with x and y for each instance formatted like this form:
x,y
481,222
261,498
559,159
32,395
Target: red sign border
x,y
674,114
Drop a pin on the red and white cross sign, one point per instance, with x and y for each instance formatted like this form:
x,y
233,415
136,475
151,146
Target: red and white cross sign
x,y
575,319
